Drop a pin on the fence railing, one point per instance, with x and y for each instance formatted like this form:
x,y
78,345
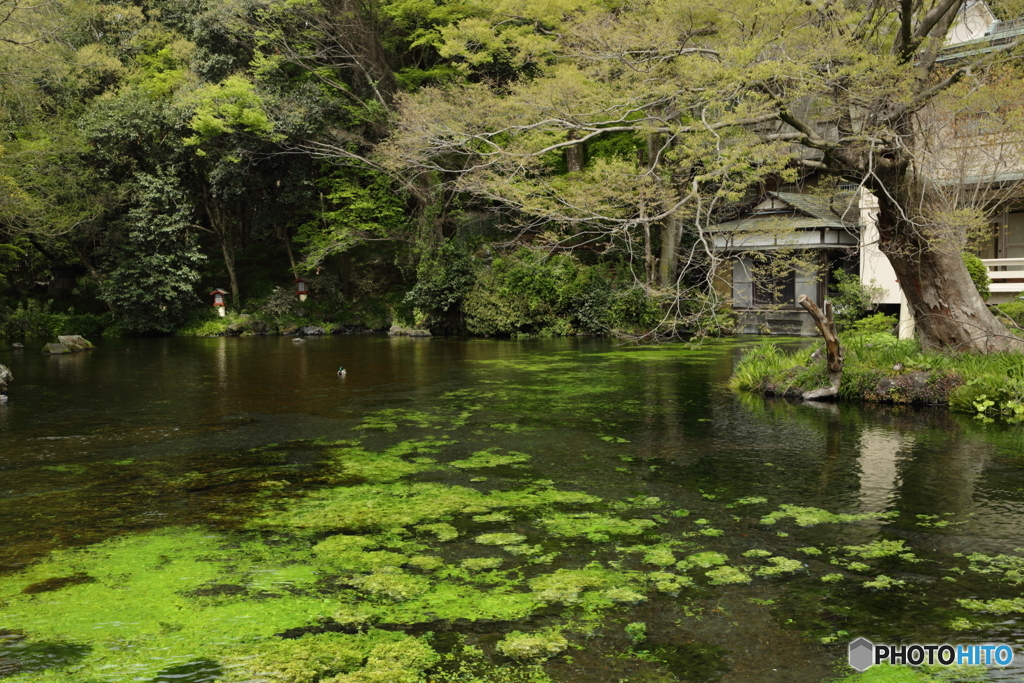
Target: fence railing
x,y
1007,274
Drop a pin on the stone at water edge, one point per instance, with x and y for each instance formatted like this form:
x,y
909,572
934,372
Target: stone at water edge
x,y
54,349
399,331
5,378
75,342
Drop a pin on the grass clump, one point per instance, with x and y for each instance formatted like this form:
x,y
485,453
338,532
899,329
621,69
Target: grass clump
x,y
881,368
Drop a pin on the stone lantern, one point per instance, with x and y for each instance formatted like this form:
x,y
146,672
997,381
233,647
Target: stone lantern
x,y
218,301
301,289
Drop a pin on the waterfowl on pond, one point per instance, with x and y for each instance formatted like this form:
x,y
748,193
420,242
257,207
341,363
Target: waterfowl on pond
x,y
341,371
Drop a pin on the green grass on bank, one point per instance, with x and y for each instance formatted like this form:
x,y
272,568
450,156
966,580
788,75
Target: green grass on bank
x,y
882,368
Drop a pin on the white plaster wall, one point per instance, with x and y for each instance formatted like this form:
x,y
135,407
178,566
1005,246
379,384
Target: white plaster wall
x,y
875,268
972,22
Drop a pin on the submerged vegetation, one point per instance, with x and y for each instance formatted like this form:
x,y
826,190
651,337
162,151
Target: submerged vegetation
x,y
398,562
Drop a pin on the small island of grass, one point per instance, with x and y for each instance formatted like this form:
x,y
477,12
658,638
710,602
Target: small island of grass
x,y
879,368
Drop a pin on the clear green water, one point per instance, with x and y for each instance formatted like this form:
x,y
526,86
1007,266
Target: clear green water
x,y
186,509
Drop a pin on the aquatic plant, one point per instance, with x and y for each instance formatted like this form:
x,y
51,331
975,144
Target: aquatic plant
x,y
757,553
392,583
595,527
499,539
809,516
883,582
480,563
667,582
537,645
703,560
442,530
637,632
780,566
878,549
311,657
488,458
726,574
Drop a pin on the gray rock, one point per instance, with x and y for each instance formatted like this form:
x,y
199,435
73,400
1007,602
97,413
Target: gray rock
x,y
312,331
5,378
54,349
399,331
825,394
290,329
236,329
75,342
259,327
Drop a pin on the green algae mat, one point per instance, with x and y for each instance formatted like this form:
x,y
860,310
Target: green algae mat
x,y
523,526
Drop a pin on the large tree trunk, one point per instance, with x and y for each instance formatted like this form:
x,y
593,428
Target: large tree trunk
x,y
671,231
948,311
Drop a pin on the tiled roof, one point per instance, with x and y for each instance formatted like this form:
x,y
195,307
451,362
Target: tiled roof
x,y
818,214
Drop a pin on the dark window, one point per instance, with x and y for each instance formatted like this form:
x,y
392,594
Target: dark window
x,y
775,290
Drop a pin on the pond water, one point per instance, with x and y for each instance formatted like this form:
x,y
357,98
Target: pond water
x,y
207,510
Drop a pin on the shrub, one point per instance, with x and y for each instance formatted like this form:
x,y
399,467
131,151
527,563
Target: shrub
x,y
1014,310
879,323
33,318
443,280
851,299
979,274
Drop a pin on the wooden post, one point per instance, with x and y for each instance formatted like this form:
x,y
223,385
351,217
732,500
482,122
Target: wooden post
x,y
833,351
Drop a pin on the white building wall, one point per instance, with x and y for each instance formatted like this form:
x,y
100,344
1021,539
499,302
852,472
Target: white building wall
x,y
875,269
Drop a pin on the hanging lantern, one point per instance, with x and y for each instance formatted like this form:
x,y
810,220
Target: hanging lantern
x,y
218,301
301,289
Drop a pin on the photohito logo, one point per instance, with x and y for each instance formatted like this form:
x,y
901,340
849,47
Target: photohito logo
x,y
865,654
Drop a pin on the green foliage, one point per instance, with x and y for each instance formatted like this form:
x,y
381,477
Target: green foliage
x,y
225,108
35,318
528,293
979,274
879,323
356,205
852,299
443,279
1014,310
153,284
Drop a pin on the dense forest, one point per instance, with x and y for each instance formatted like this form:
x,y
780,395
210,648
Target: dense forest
x,y
492,168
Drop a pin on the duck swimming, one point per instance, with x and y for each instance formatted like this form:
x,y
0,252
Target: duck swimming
x,y
341,371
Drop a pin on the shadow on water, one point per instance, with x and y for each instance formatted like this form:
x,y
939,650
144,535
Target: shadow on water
x,y
18,656
201,671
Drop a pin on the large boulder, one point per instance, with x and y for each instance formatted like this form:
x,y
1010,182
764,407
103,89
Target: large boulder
x,y
399,331
312,330
75,342
5,378
54,349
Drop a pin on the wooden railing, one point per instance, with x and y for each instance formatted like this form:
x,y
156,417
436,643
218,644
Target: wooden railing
x,y
1001,270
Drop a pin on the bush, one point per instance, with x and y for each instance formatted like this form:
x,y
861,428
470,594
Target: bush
x,y
851,299
32,318
527,293
1014,310
443,279
879,323
979,274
